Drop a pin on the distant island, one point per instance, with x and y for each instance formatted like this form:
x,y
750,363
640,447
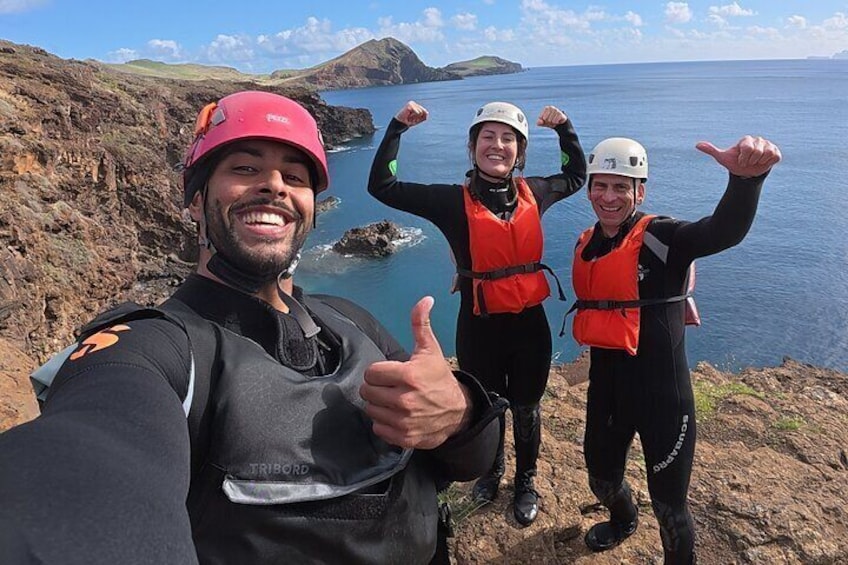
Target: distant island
x,y
486,65
841,55
373,63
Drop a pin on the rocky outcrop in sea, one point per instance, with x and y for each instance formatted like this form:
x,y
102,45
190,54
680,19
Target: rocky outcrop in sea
x,y
374,240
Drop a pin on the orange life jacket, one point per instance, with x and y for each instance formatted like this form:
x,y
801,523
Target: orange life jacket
x,y
607,288
506,268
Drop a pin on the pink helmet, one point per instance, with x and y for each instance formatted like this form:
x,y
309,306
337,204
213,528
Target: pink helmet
x,y
255,115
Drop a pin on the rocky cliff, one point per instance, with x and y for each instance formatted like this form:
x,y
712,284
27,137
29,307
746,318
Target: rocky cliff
x,y
91,205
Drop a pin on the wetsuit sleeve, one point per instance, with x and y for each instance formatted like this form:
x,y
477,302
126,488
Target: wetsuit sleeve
x,y
102,475
572,175
470,453
439,203
726,227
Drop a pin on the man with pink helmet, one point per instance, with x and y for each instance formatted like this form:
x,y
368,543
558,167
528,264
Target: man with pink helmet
x,y
244,420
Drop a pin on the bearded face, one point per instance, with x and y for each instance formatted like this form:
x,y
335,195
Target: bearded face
x,y
258,206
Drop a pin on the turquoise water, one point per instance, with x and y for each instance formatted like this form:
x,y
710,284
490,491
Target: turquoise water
x,y
782,291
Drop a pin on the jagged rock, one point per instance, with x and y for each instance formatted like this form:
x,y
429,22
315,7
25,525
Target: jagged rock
x,y
325,204
373,240
17,402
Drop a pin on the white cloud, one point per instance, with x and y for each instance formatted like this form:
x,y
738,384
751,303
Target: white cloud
x,y
731,10
493,34
634,18
677,13
465,22
315,38
839,21
796,21
123,55
19,6
165,49
227,48
433,17
594,15
717,20
549,21
488,2
763,32
425,30
675,32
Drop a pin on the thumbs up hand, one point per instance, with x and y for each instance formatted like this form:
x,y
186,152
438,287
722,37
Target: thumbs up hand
x,y
750,157
416,403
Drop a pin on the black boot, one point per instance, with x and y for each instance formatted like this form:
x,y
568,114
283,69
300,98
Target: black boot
x,y
624,517
607,535
527,428
486,488
525,505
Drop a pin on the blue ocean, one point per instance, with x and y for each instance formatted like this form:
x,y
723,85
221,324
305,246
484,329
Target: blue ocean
x,y
782,292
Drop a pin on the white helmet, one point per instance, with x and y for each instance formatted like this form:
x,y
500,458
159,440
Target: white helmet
x,y
505,113
619,156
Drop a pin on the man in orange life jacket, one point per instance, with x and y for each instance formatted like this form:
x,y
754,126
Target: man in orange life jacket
x,y
629,275
244,420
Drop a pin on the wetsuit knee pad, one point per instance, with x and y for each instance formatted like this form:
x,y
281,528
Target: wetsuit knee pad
x,y
677,531
526,420
606,490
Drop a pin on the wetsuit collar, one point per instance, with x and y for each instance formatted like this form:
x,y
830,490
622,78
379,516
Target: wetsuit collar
x,y
600,245
278,333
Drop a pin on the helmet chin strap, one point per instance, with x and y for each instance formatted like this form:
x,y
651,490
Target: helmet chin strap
x,y
250,283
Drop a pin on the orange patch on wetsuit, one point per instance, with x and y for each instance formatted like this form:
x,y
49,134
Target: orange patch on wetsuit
x,y
100,340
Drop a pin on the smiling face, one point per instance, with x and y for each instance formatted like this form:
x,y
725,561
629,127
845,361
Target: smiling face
x,y
614,199
496,149
258,206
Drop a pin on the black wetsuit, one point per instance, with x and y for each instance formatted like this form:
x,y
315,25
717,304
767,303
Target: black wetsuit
x,y
651,392
509,353
110,473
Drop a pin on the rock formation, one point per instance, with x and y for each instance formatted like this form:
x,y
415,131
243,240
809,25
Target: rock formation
x,y
374,240
374,63
325,204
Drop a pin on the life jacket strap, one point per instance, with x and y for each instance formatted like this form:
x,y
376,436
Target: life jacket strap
x,y
525,269
619,305
622,304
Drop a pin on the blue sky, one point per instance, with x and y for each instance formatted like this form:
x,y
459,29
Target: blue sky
x,y
261,36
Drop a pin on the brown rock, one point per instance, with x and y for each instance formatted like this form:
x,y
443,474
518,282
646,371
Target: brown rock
x,y
373,240
17,401
769,483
